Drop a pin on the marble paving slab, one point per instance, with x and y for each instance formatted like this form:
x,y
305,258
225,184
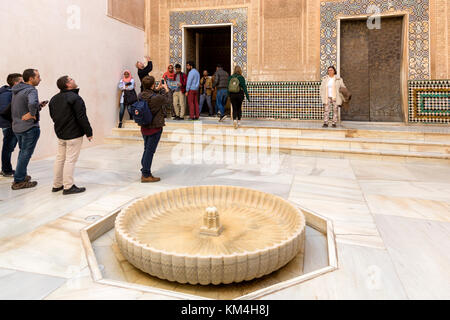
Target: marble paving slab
x,y
363,273
420,251
41,206
18,285
365,170
53,249
419,190
409,207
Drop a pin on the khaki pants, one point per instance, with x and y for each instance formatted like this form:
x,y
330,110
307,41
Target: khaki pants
x,y
328,106
67,156
179,104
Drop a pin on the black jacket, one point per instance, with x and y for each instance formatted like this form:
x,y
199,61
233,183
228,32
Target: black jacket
x,y
68,112
142,73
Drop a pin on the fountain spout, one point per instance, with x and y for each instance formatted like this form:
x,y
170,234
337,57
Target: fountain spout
x,y
211,223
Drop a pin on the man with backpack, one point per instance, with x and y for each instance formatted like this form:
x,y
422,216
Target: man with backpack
x,y
150,116
221,85
9,138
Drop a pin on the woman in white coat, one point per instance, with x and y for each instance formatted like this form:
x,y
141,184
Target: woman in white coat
x,y
331,96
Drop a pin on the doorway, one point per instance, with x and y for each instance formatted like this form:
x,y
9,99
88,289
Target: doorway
x,y
208,46
371,65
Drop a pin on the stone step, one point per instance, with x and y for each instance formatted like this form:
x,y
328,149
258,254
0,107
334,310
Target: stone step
x,y
312,129
294,139
304,150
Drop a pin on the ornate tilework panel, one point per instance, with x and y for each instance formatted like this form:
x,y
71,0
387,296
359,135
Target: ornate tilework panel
x,y
284,100
419,37
238,17
429,101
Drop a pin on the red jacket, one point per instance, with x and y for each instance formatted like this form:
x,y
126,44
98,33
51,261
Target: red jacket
x,y
183,82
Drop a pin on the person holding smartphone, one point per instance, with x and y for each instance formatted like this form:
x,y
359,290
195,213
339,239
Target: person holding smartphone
x,y
25,108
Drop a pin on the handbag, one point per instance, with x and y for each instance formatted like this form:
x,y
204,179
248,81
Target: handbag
x,y
129,97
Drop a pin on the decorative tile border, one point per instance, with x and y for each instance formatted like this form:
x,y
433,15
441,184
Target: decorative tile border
x,y
419,37
284,100
238,17
429,101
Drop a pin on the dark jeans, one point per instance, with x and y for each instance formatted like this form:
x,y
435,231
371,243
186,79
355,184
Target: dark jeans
x,y
203,98
122,112
150,145
9,144
236,102
27,142
221,100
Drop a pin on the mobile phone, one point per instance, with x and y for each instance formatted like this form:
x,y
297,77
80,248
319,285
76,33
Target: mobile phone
x,y
163,82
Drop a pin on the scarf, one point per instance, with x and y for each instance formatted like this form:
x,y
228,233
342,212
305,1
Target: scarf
x,y
169,75
126,80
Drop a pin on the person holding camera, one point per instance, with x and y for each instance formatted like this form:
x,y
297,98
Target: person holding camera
x,y
128,97
156,98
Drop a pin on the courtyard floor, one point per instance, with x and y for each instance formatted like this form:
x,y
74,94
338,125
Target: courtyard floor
x,y
391,222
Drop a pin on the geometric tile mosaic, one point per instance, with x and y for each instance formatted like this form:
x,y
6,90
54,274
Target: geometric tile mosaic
x,y
284,100
429,101
238,17
418,30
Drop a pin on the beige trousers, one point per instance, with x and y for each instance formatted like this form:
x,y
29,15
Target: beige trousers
x,y
328,106
67,156
179,104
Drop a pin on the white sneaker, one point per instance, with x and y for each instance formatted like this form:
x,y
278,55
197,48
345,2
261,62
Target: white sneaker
x,y
235,124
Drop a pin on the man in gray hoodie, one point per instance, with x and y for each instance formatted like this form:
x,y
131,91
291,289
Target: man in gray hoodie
x,y
25,109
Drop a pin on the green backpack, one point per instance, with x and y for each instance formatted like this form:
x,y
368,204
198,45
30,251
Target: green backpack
x,y
234,86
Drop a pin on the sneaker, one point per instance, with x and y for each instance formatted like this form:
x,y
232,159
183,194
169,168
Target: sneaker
x,y
54,190
150,179
222,117
235,124
9,174
23,185
334,125
325,125
120,125
73,190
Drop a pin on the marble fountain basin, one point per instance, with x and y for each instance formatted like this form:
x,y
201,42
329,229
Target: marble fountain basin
x,y
210,234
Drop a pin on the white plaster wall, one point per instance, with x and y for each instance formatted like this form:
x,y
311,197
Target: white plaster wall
x,y
34,34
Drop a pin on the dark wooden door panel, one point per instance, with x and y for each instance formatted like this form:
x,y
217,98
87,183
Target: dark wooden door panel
x,y
355,68
371,66
385,47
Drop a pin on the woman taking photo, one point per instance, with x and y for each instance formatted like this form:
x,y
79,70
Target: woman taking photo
x,y
331,96
236,90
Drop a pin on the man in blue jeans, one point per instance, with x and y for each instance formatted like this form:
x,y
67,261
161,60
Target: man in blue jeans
x,y
221,85
9,138
25,107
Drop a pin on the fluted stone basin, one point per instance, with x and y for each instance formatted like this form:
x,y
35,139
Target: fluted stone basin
x,y
210,234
